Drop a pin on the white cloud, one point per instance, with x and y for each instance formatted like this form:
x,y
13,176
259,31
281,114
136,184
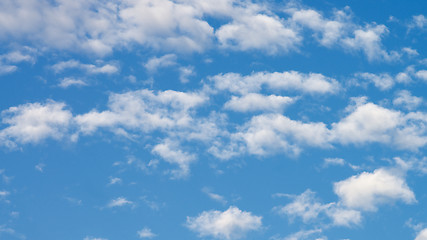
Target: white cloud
x,y
331,30
372,123
40,167
68,82
230,224
146,233
257,102
143,110
171,153
155,63
309,209
422,235
368,40
34,122
304,206
333,161
258,31
422,74
411,52
306,234
115,180
119,202
368,190
418,21
292,80
185,73
89,68
5,69
269,133
93,238
214,196
98,27
382,81
405,99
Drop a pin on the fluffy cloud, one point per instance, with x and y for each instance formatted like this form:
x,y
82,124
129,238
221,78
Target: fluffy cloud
x,y
368,40
405,99
143,110
422,235
368,190
146,233
422,74
233,223
34,122
268,133
89,68
99,27
372,123
171,153
307,83
382,81
257,102
158,62
258,31
331,31
308,208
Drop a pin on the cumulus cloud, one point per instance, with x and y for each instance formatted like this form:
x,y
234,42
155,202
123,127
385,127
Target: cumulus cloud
x,y
89,68
422,235
269,133
256,102
146,233
143,110
171,153
421,74
99,28
382,81
368,40
372,123
258,31
406,100
233,223
330,31
308,83
34,122
309,209
368,190
155,63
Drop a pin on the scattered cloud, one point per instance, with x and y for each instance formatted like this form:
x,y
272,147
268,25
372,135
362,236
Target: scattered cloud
x,y
146,233
233,223
155,63
368,190
119,202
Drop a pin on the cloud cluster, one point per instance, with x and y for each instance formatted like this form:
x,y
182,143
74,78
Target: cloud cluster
x,y
185,26
359,193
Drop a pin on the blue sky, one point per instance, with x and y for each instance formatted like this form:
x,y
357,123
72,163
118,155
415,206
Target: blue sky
x,y
214,119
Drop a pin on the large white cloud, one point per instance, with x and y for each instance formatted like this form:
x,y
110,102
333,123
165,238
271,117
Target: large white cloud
x,y
143,110
369,189
233,223
34,122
